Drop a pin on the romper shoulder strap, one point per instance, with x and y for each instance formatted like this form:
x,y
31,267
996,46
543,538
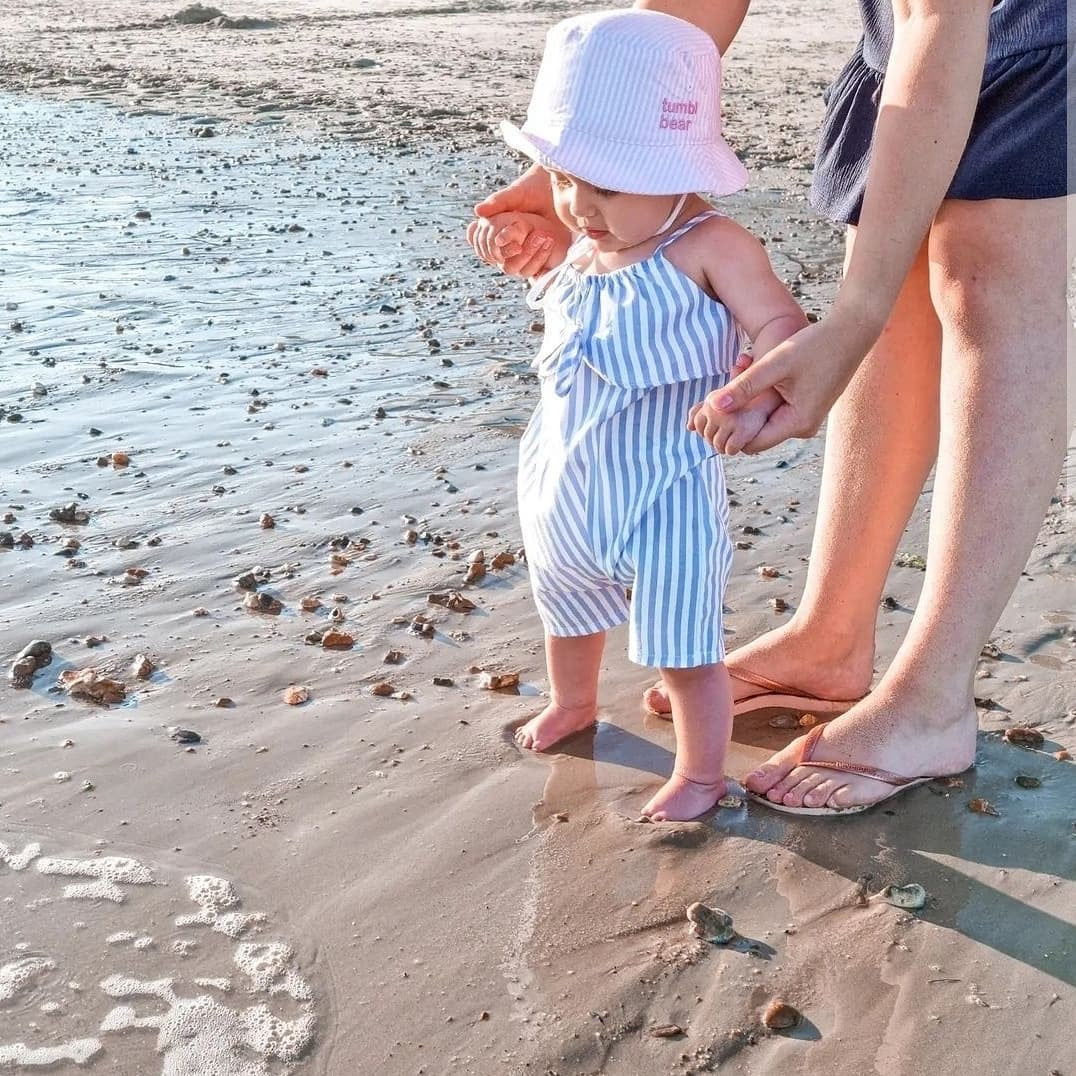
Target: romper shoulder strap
x,y
706,214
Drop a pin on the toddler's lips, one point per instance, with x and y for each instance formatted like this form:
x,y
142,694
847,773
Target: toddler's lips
x,y
595,233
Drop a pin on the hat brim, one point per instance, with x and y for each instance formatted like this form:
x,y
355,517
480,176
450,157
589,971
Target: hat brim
x,y
699,168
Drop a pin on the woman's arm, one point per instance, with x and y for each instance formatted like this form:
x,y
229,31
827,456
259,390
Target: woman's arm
x,y
927,105
721,19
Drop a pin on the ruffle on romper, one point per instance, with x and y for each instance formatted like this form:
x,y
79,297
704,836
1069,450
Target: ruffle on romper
x,y
592,332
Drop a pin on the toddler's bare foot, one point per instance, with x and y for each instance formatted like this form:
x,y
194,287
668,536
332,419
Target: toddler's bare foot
x,y
554,724
681,799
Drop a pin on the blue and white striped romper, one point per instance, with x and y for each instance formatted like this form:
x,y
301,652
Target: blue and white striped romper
x,y
614,491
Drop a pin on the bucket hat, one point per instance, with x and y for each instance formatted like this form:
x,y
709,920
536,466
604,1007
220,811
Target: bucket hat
x,y
630,101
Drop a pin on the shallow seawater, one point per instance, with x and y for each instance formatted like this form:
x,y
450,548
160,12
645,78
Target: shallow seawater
x,y
131,239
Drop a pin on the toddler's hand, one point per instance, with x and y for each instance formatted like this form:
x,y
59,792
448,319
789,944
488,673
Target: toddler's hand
x,y
730,432
505,235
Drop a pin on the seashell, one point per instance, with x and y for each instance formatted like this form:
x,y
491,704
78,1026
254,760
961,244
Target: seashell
x,y
780,1016
296,696
142,667
666,1031
383,689
1025,780
120,459
807,721
452,600
22,672
503,560
912,896
981,806
309,604
266,522
784,721
181,735
768,571
1025,736
710,924
730,801
475,572
263,603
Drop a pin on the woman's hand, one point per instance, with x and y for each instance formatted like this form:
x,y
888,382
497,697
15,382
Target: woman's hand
x,y
808,371
547,242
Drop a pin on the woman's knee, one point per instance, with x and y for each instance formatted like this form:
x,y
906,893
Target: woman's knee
x,y
999,265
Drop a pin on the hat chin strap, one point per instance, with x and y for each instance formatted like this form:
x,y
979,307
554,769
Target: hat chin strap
x,y
681,202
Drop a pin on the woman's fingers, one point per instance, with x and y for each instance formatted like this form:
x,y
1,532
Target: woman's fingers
x,y
531,193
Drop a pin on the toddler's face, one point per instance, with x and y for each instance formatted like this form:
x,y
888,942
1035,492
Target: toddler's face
x,y
614,221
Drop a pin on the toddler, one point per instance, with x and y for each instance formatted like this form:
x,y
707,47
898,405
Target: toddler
x,y
621,491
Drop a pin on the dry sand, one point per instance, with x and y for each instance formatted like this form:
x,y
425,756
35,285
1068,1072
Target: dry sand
x,y
295,330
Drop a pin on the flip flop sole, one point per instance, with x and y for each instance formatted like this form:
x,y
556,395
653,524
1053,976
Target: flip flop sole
x,y
804,704
858,808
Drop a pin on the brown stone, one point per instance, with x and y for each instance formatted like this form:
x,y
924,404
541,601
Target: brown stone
x,y
87,684
1025,736
337,640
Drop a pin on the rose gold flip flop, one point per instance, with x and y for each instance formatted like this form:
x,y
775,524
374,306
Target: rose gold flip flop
x,y
900,784
773,695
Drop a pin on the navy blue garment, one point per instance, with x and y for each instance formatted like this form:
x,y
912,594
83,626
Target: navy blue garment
x,y
1017,146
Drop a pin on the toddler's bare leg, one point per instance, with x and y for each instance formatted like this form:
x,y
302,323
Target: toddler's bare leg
x,y
573,664
701,701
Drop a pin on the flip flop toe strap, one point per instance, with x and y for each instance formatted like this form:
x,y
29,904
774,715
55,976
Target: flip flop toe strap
x,y
807,751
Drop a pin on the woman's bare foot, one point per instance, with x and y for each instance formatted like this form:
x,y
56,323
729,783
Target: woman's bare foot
x,y
680,799
902,733
813,663
553,724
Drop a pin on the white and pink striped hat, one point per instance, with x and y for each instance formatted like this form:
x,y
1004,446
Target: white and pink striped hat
x,y
630,101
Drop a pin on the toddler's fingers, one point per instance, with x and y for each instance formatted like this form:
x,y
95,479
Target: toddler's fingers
x,y
479,234
509,240
529,264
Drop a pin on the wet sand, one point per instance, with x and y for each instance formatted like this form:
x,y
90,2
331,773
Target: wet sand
x,y
278,319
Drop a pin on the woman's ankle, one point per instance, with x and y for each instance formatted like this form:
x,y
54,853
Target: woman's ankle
x,y
808,654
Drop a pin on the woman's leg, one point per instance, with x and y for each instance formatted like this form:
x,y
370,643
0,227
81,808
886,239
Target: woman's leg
x,y
998,283
881,438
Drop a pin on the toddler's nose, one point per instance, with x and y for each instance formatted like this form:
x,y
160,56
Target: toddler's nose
x,y
581,202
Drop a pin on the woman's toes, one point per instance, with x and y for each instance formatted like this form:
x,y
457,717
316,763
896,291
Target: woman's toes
x,y
798,796
846,796
778,791
764,778
820,794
